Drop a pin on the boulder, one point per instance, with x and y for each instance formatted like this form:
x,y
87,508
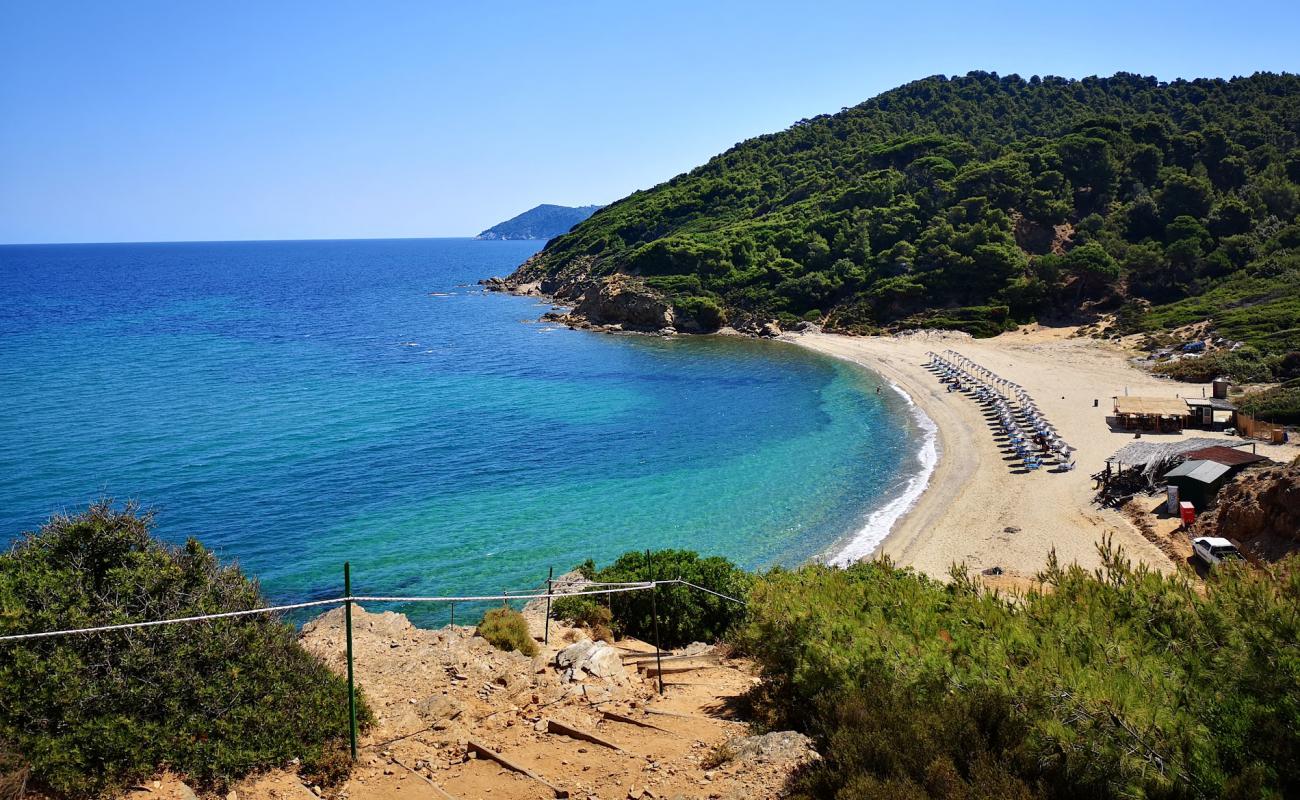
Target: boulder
x,y
770,329
574,653
777,747
439,710
596,659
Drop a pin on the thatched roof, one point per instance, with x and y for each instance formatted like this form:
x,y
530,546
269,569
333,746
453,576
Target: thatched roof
x,y
1140,453
1151,406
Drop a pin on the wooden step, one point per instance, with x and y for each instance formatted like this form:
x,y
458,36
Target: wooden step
x,y
487,752
610,715
562,729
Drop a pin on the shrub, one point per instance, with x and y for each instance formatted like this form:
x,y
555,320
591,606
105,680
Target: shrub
x,y
1280,404
704,310
329,767
506,629
585,612
212,701
685,614
1120,683
1242,366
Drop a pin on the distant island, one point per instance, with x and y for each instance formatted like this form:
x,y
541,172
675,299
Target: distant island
x,y
542,222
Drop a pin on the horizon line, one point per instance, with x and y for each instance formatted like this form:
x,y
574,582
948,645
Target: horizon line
x,y
473,237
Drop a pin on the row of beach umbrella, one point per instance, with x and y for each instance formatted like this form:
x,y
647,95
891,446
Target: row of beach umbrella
x,y
1017,413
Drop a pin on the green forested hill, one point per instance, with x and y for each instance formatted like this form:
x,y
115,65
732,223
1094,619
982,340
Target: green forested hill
x,y
976,202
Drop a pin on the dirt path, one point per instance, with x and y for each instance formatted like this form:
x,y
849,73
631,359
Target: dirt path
x,y
435,692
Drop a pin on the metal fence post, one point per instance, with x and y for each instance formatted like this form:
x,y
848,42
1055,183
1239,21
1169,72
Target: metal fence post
x,y
352,690
550,576
654,612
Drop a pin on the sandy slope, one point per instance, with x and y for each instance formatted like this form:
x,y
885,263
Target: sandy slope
x,y
433,691
974,497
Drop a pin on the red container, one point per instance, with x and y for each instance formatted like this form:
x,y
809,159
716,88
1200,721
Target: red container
x,y
1187,511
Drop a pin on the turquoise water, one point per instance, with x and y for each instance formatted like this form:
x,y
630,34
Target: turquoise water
x,y
296,404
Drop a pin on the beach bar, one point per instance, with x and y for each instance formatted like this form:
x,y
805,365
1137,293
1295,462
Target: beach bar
x,y
1211,413
1151,413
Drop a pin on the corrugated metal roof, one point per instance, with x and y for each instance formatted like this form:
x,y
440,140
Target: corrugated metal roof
x,y
1213,402
1200,471
1224,455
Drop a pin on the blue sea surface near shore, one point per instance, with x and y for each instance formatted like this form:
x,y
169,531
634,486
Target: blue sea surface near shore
x,y
298,404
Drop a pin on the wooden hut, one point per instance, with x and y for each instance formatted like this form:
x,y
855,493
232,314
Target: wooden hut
x,y
1151,413
1199,481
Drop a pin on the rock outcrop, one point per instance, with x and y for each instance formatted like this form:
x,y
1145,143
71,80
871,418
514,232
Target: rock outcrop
x,y
1261,511
626,301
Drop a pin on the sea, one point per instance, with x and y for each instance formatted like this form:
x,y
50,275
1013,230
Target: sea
x,y
298,404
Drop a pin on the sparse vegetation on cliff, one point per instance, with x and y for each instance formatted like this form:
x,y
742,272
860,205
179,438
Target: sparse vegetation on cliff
x,y
506,629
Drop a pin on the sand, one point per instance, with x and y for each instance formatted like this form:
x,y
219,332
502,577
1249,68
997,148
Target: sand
x,y
976,510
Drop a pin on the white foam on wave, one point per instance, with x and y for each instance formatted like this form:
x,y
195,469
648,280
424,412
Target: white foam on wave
x,y
882,521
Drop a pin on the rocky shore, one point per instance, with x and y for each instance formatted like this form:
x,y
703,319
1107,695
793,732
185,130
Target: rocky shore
x,y
618,303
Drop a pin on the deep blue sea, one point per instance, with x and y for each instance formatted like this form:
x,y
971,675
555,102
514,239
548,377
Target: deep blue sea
x,y
297,404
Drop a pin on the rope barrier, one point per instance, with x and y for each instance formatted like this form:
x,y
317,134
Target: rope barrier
x,y
483,598
587,590
612,587
176,620
708,591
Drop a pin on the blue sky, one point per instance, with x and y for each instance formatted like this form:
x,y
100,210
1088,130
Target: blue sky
x,y
150,121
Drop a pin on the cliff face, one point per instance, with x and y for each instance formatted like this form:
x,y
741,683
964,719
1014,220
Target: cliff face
x,y
1261,511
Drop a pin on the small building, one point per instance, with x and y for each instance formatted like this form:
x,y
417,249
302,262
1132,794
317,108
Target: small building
x,y
1199,481
1233,457
1211,413
1151,413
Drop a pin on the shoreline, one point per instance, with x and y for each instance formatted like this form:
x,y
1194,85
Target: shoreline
x,y
974,509
948,468
967,503
882,521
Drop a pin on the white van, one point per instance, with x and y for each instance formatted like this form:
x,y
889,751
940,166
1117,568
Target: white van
x,y
1214,550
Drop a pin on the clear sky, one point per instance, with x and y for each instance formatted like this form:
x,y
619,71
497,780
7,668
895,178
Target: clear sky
x,y
145,121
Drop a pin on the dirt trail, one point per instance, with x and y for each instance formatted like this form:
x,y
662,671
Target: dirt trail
x,y
435,692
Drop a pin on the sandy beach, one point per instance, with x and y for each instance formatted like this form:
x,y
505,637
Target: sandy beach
x,y
976,510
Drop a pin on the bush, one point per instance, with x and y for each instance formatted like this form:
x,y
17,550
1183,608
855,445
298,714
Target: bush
x,y
685,614
585,612
212,701
1242,366
1280,405
330,767
704,310
506,629
1120,683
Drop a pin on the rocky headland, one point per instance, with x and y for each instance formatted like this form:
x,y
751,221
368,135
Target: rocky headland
x,y
619,303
